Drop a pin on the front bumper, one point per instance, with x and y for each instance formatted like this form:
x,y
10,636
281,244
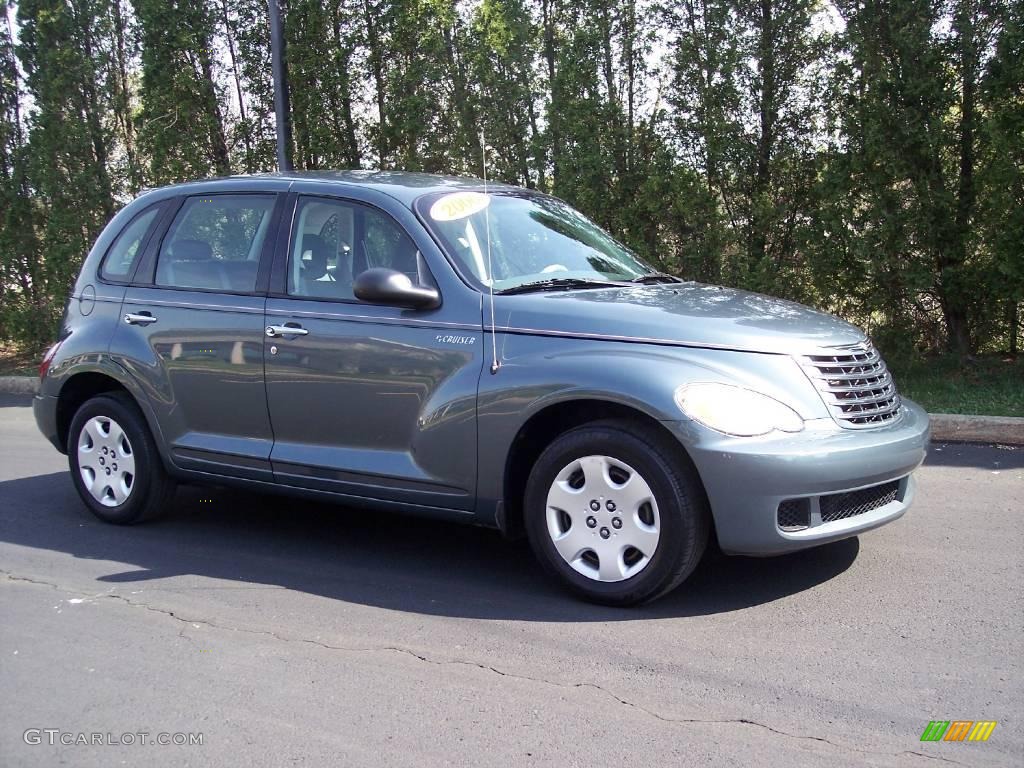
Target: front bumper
x,y
747,478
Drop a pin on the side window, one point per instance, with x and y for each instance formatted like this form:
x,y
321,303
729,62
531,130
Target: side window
x,y
335,240
387,245
120,258
320,263
215,243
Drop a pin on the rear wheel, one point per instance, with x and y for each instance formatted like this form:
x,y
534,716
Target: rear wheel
x,y
114,461
615,512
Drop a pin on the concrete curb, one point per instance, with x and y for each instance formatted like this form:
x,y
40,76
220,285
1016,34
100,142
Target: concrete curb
x,y
954,427
19,385
1007,430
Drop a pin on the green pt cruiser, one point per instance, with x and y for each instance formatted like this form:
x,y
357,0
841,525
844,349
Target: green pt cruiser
x,y
429,345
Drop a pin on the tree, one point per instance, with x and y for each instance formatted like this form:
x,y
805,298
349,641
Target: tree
x,y
911,113
860,155
502,53
1000,231
66,58
182,121
24,312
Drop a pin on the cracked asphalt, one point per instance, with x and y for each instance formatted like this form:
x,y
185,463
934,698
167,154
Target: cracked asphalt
x,y
289,633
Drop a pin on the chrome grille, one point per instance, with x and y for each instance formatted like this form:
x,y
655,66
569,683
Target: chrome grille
x,y
855,385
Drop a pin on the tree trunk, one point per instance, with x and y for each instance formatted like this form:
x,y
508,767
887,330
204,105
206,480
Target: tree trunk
x,y
1011,316
548,18
219,156
628,36
123,107
95,128
959,337
377,67
238,85
354,157
761,190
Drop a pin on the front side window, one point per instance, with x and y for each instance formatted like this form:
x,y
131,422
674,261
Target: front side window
x,y
529,237
118,263
215,243
336,240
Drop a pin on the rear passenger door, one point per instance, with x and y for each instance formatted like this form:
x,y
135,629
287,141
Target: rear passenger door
x,y
192,332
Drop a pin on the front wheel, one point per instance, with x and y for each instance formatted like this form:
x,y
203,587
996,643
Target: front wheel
x,y
114,461
615,512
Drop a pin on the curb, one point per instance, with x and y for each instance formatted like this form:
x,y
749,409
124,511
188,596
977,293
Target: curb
x,y
955,427
19,385
952,427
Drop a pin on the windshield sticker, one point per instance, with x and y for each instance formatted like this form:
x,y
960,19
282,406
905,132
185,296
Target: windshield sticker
x,y
459,205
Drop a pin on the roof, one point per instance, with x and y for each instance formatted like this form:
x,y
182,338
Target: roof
x,y
405,186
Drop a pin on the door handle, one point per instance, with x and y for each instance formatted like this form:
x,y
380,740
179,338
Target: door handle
x,y
286,330
142,318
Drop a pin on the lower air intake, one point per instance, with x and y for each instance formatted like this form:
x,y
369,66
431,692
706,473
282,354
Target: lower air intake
x,y
794,514
840,506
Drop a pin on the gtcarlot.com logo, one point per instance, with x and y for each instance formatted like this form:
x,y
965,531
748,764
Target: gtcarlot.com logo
x,y
958,730
55,736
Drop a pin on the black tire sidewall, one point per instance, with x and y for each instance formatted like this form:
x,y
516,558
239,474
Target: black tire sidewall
x,y
147,462
679,508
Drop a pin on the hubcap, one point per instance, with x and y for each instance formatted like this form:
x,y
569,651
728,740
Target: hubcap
x,y
106,461
603,518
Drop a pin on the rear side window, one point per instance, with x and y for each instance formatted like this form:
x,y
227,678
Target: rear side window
x,y
215,243
118,263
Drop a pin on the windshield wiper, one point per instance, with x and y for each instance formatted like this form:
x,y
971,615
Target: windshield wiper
x,y
656,277
558,284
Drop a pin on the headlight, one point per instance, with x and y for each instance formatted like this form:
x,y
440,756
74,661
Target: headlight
x,y
736,411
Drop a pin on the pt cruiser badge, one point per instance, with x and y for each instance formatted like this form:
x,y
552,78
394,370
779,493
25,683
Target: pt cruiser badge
x,y
448,339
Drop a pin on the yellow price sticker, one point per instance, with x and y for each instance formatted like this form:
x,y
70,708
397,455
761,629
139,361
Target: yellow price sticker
x,y
458,205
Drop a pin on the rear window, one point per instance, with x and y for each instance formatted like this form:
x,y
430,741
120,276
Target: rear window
x,y
215,243
120,259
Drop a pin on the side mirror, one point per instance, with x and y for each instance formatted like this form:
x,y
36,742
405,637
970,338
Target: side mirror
x,y
388,286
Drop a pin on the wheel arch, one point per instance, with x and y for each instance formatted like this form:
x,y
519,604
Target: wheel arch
x,y
76,391
86,383
546,424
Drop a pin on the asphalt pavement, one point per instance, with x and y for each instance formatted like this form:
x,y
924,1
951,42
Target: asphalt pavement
x,y
280,632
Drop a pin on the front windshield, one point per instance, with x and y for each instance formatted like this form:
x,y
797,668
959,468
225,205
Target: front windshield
x,y
532,238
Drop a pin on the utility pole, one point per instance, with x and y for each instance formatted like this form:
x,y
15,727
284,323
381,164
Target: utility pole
x,y
282,108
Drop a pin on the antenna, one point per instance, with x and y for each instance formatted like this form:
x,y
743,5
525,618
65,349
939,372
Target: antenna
x,y
495,365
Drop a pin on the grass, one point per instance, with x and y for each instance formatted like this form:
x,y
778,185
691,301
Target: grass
x,y
989,385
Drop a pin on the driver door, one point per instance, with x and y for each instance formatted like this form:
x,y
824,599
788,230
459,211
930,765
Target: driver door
x,y
367,400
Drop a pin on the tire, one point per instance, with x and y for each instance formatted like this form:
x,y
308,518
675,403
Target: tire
x,y
114,462
662,524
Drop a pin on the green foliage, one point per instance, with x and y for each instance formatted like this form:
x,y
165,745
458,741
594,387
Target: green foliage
x,y
862,157
66,190
182,123
989,385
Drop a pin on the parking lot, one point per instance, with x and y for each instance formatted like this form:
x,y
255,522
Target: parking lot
x,y
291,633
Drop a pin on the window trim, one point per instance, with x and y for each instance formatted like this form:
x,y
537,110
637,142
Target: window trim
x,y
278,288
266,250
147,237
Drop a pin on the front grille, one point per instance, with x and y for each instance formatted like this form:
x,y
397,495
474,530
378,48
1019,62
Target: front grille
x,y
856,386
840,506
794,514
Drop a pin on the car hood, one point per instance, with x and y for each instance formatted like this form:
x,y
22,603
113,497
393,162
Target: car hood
x,y
688,314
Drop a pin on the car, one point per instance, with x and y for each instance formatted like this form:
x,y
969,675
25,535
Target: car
x,y
470,352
